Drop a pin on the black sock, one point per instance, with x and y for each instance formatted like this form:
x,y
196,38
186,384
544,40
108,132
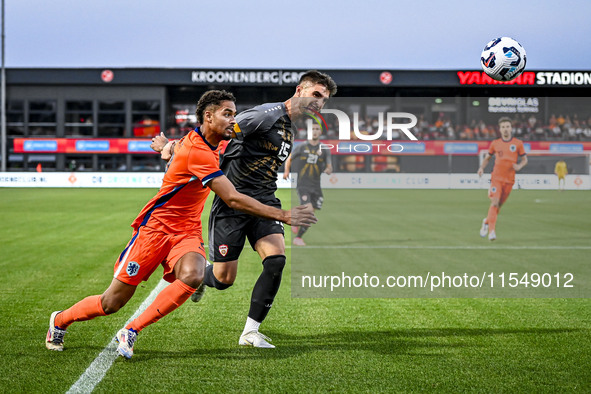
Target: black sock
x,y
302,230
210,280
266,287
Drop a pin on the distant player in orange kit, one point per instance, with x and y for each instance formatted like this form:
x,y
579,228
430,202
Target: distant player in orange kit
x,y
168,231
507,151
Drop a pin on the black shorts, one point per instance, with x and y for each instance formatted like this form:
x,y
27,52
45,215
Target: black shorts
x,y
228,229
313,196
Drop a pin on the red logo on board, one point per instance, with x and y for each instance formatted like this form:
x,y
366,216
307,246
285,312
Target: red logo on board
x,y
107,75
386,78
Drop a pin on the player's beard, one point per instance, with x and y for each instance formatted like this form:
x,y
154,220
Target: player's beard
x,y
228,136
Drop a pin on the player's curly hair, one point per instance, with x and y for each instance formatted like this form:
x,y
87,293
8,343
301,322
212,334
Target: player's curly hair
x,y
315,77
212,98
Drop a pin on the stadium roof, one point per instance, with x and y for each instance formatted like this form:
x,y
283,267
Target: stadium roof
x,y
279,77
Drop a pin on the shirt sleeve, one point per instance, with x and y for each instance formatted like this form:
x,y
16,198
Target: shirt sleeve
x,y
252,121
491,148
328,155
203,165
521,149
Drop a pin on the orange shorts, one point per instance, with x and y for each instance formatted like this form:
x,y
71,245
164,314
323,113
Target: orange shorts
x,y
149,248
500,190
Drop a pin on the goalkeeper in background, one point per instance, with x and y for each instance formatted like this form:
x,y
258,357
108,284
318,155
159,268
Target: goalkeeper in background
x,y
561,171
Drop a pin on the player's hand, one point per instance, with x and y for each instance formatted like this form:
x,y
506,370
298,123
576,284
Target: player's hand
x,y
166,153
159,142
286,175
516,167
302,215
480,172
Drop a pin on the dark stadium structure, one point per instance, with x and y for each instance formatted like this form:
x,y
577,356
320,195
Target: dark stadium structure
x,y
103,119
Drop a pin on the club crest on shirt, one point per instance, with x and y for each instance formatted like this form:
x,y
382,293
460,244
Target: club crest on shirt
x,y
132,268
493,189
512,148
223,250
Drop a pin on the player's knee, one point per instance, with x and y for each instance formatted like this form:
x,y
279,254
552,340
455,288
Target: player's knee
x,y
189,269
225,279
274,264
224,275
191,278
111,304
222,285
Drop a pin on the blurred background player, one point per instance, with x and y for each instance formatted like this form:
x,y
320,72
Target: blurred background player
x,y
263,141
168,232
507,151
309,161
561,171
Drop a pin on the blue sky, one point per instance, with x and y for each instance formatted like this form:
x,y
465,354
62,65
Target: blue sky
x,y
366,34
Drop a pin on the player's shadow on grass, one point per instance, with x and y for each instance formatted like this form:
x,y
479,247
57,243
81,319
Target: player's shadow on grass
x,y
406,341
424,342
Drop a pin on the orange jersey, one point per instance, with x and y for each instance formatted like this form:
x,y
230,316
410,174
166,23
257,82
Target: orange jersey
x,y
178,205
506,154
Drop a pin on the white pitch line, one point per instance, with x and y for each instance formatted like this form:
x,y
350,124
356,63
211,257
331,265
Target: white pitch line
x,y
101,364
442,247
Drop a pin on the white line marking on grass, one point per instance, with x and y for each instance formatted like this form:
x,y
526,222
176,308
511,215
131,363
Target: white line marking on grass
x,y
101,364
459,247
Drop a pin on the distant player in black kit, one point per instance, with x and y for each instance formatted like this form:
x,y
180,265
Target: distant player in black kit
x,y
263,141
309,160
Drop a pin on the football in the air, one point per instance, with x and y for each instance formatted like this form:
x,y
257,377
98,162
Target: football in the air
x,y
503,59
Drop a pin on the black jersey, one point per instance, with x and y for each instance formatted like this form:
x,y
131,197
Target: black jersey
x,y
309,161
263,142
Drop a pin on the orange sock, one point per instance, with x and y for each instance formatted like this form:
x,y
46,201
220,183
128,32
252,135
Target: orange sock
x,y
87,309
491,218
173,296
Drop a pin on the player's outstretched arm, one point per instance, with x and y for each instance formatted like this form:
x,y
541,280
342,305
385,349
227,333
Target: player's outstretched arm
x,y
161,144
521,164
158,142
484,164
299,216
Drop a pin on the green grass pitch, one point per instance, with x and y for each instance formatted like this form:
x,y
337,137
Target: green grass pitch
x,y
59,245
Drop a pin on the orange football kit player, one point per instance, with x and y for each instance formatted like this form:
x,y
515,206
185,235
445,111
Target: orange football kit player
x,y
507,151
168,232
